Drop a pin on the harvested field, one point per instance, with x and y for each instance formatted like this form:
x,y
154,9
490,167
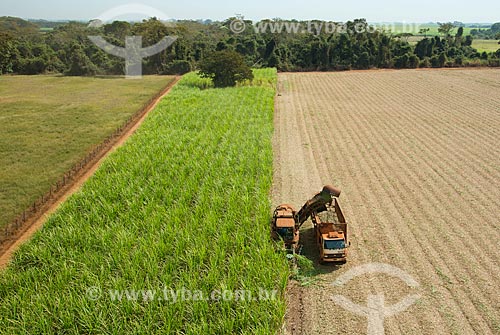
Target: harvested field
x,y
416,154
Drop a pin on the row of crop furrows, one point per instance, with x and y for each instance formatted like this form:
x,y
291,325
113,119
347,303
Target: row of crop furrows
x,y
408,174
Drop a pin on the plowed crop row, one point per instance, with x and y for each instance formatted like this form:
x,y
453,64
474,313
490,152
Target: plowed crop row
x,y
416,154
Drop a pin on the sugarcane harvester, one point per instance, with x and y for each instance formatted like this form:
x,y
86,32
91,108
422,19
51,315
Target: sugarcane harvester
x,y
331,236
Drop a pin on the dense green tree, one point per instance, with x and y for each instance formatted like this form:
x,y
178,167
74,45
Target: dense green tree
x,y
364,60
446,28
34,65
413,61
434,60
442,59
468,40
8,53
424,63
153,31
118,29
225,68
424,48
80,63
402,62
67,49
459,36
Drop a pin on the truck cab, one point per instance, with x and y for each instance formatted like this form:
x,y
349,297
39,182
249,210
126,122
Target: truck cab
x,y
334,247
331,234
284,226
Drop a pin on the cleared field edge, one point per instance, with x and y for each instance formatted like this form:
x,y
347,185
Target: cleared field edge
x,y
14,230
22,228
241,253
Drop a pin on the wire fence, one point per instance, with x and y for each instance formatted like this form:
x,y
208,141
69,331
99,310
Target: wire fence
x,y
12,229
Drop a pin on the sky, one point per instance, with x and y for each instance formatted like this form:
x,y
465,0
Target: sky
x,y
373,10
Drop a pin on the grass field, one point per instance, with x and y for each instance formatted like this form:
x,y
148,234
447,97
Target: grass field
x,y
416,155
47,123
486,45
479,45
414,28
184,204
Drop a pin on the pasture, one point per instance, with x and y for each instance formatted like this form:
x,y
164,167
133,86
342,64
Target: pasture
x,y
48,123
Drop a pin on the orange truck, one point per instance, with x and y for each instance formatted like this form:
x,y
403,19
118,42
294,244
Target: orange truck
x,y
331,234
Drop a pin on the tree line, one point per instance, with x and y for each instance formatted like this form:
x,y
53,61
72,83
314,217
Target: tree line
x,y
66,49
493,33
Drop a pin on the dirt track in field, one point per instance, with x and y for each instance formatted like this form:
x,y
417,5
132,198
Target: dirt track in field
x,y
417,156
33,224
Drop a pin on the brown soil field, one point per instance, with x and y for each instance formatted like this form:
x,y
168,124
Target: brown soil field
x,y
417,156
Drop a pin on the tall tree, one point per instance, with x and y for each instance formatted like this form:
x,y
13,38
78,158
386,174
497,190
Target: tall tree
x,y
225,68
7,53
459,37
446,28
424,31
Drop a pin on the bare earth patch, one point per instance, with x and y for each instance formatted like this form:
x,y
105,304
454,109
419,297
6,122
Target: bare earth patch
x,y
416,154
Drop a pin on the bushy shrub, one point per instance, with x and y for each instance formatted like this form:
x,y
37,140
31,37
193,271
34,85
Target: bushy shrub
x,y
32,66
435,61
225,68
424,63
494,62
442,59
413,62
401,62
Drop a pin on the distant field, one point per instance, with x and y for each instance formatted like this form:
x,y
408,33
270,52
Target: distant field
x,y
47,123
414,28
480,45
486,45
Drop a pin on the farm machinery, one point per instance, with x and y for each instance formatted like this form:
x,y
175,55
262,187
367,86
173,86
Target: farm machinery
x,y
331,235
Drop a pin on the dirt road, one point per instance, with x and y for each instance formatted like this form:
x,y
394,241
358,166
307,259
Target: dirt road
x,y
416,154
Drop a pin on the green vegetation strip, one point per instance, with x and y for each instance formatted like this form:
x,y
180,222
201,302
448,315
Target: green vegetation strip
x,y
49,123
183,208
